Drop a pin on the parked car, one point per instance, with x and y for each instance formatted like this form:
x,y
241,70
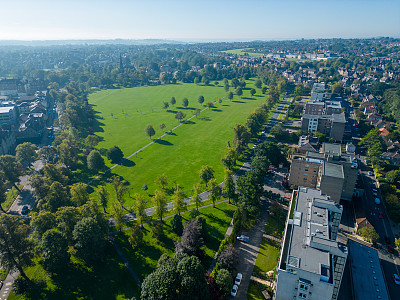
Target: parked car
x,y
396,279
238,279
234,290
377,201
243,238
389,248
24,210
374,190
369,173
380,214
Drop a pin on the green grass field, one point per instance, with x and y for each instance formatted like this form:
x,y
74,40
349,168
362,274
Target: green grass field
x,y
243,51
267,257
12,194
144,259
180,155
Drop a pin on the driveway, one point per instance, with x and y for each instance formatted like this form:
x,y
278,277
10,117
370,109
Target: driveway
x,y
248,251
7,285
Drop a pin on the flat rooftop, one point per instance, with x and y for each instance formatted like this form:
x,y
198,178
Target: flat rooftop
x,y
310,237
331,149
6,109
333,170
366,272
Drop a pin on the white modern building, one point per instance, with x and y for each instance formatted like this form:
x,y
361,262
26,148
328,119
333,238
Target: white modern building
x,y
312,261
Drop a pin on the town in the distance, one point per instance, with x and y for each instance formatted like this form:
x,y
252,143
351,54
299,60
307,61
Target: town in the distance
x,y
227,170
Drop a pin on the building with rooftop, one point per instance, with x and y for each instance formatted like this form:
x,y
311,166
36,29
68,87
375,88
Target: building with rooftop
x,y
331,125
366,273
331,180
7,115
312,262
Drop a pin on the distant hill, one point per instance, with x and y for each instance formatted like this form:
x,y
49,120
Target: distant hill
x,y
88,42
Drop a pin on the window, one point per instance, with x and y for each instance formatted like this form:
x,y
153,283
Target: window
x,y
306,170
302,296
303,287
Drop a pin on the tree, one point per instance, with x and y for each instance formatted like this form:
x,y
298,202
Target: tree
x,y
258,83
165,105
173,101
115,154
228,259
68,151
56,197
162,181
15,245
180,277
150,131
201,99
178,200
264,90
48,154
120,188
25,153
252,92
393,176
160,203
103,196
206,173
67,217
185,102
54,248
3,194
214,190
92,141
118,215
226,87
10,169
196,197
191,240
162,126
369,234
242,137
79,194
180,115
95,161
229,160
177,225
224,281
229,186
42,222
230,95
90,239
239,91
235,82
140,208
136,237
197,112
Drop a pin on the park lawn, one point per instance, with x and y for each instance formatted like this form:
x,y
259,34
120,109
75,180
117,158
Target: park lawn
x,y
179,155
108,280
254,292
12,194
243,51
144,259
267,257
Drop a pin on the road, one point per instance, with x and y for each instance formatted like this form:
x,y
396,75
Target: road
x,y
390,262
25,197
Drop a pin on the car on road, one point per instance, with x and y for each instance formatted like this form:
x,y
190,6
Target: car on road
x,y
24,210
238,279
234,290
380,214
369,173
396,279
243,238
377,201
389,248
374,190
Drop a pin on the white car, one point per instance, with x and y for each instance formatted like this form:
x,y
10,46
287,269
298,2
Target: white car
x,y
238,279
369,173
396,279
234,290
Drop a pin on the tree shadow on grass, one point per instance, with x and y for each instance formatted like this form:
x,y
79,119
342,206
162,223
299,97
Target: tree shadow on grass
x,y
225,105
248,98
205,119
172,111
190,122
127,163
163,142
237,101
216,109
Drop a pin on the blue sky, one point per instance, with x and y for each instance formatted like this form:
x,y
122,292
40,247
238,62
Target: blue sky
x,y
198,20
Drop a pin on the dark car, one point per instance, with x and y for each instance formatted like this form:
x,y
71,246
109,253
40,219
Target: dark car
x,y
25,210
389,248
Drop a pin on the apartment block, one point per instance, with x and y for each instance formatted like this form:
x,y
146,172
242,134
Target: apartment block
x,y
304,170
312,262
331,125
